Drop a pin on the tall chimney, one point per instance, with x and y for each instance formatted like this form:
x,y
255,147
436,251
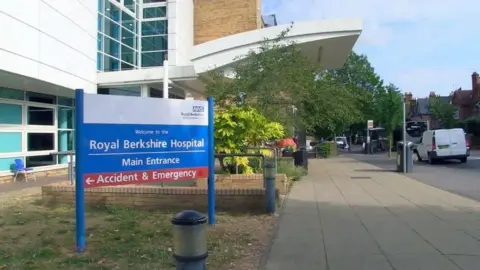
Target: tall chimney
x,y
475,80
475,85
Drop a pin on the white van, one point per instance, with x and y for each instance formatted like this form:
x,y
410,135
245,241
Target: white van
x,y
443,144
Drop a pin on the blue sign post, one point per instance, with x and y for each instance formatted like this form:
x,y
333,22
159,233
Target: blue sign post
x,y
211,163
124,140
79,186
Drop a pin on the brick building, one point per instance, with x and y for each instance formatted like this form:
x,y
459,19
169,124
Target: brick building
x,y
467,102
220,18
419,108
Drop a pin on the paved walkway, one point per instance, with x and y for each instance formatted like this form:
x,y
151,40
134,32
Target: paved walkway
x,y
348,215
21,188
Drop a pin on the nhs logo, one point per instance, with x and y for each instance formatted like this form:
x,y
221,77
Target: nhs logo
x,y
198,109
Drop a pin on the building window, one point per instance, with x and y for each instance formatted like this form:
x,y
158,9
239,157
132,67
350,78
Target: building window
x,y
153,59
41,98
110,63
65,118
101,6
39,161
129,38
66,101
154,43
40,116
159,27
155,93
12,94
40,141
154,35
130,4
153,1
121,91
112,11
112,29
129,56
10,114
35,130
126,66
155,12
111,47
118,34
10,142
129,22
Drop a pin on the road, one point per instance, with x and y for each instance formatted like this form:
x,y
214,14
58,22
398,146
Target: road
x,y
462,179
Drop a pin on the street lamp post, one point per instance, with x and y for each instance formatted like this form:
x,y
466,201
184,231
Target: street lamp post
x,y
294,110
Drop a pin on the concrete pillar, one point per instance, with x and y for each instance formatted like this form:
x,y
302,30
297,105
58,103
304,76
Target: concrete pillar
x,y
144,90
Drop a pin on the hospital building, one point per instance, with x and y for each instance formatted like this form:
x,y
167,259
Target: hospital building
x,y
117,47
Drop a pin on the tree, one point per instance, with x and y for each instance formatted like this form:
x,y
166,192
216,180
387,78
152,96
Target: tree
x,y
442,112
359,78
389,110
330,109
278,76
271,79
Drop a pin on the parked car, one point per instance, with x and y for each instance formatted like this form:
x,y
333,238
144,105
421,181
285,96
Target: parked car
x,y
443,144
342,142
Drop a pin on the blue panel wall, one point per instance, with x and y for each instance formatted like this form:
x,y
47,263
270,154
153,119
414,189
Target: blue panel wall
x,y
10,142
10,114
7,164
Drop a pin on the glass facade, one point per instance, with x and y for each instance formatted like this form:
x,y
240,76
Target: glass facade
x,y
156,93
133,91
32,126
131,34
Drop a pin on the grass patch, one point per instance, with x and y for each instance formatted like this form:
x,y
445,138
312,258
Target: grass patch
x,y
36,237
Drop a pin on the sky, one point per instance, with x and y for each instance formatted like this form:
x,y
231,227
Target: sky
x,y
418,45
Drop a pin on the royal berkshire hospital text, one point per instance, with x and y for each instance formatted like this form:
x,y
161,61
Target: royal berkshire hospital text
x,y
151,144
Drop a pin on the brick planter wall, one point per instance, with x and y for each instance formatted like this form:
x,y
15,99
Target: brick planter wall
x,y
245,181
236,200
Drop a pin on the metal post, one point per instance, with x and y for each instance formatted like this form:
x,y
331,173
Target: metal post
x,y
165,86
70,169
211,162
275,160
367,142
165,77
404,135
270,190
190,240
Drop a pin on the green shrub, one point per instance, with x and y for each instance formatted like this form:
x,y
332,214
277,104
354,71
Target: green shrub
x,y
285,166
327,149
237,128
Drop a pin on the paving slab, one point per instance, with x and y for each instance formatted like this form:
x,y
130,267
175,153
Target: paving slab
x,y
351,215
358,262
466,262
424,262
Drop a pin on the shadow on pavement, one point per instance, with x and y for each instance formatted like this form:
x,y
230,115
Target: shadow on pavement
x,y
354,234
375,170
